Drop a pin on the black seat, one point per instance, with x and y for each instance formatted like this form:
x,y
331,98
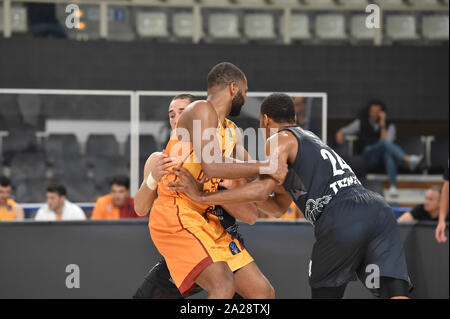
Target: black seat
x,y
439,155
18,142
78,189
101,145
31,190
107,167
147,145
69,167
27,166
61,145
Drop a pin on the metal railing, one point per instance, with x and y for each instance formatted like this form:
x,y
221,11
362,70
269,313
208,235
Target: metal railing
x,y
197,12
135,96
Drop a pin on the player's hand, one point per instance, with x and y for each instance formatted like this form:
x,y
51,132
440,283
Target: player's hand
x,y
163,162
383,118
282,168
440,233
186,184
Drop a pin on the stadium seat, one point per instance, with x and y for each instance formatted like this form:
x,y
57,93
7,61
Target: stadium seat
x,y
152,24
80,190
290,3
31,190
439,154
425,3
183,25
435,27
26,166
330,27
224,26
358,29
401,27
320,3
19,22
147,145
101,145
181,2
18,142
59,145
252,2
259,26
67,167
215,2
354,3
30,109
10,116
299,26
107,167
391,4
120,24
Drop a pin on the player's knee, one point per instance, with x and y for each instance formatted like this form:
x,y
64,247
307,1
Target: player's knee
x,y
268,292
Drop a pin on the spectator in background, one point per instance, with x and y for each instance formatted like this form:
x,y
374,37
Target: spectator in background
x,y
9,209
301,115
42,21
443,212
429,210
376,137
58,207
118,204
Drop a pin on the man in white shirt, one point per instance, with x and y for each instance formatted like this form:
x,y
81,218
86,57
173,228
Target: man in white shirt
x,y
58,207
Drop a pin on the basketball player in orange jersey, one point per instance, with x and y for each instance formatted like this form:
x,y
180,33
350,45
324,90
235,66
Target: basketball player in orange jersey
x,y
157,283
195,246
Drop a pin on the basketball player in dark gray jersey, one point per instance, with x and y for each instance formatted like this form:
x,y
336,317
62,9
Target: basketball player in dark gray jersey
x,y
355,229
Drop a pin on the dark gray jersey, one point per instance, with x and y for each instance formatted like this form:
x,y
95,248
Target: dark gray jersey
x,y
317,176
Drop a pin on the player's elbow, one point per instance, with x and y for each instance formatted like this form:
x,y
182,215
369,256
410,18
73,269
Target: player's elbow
x,y
141,209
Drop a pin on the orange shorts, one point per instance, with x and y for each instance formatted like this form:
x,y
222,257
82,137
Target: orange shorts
x,y
190,241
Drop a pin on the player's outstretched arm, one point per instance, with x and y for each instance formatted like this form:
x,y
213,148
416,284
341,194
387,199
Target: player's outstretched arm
x,y
200,119
277,204
257,191
156,164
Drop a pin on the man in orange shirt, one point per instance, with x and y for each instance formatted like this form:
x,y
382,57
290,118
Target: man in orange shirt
x,y
9,209
118,204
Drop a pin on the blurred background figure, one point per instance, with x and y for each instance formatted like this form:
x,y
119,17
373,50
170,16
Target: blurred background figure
x,y
429,210
443,213
376,136
118,204
302,112
9,209
43,22
58,207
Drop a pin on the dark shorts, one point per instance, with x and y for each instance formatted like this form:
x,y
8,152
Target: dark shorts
x,y
357,236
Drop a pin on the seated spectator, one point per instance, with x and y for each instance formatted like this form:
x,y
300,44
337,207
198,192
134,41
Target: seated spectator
x,y
429,210
58,207
292,213
9,209
43,22
118,204
376,142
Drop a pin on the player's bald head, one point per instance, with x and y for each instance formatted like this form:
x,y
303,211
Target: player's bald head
x,y
223,74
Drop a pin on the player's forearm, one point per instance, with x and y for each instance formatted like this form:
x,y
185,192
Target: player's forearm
x,y
233,169
272,207
247,213
252,192
443,212
143,201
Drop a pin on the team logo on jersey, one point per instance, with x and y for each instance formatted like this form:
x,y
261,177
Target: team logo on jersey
x,y
234,248
315,207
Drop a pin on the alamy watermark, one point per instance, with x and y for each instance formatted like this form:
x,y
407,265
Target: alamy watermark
x,y
73,279
373,20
